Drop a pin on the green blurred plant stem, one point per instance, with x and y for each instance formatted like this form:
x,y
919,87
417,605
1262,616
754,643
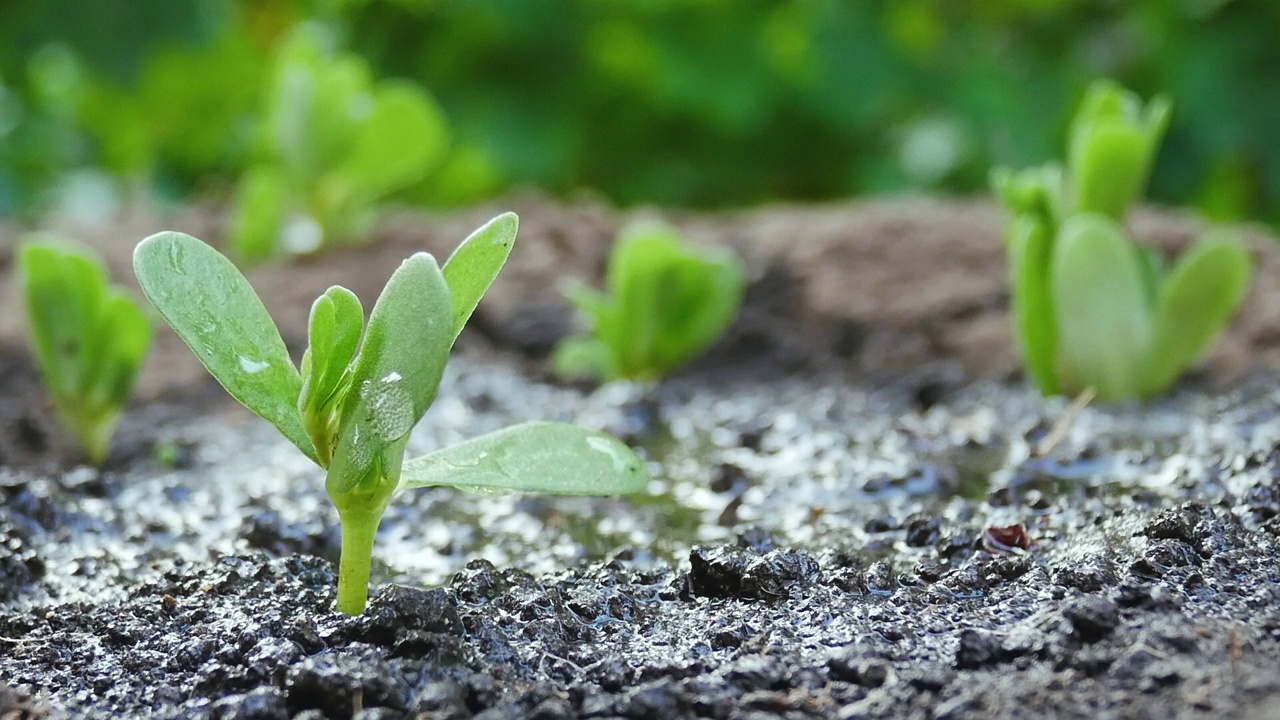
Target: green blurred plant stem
x,y
93,429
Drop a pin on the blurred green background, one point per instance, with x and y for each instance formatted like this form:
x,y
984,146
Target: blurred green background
x,y
703,103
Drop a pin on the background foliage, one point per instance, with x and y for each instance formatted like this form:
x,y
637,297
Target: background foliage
x,y
689,102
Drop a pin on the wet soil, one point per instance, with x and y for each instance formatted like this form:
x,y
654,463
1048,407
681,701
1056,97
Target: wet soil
x,y
855,513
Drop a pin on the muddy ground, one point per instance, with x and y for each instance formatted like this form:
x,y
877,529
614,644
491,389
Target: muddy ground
x,y
855,512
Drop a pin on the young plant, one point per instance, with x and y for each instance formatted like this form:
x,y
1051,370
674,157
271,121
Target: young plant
x,y
665,302
89,337
1091,308
362,387
336,143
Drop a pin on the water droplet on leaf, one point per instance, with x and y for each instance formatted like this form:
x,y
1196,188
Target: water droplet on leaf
x,y
390,410
251,366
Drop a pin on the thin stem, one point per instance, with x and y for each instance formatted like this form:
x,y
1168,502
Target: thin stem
x,y
359,527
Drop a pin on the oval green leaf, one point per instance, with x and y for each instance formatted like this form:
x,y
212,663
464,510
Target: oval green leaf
x,y
1196,302
403,135
1104,320
472,267
212,307
539,457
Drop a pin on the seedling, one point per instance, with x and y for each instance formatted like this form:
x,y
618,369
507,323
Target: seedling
x,y
89,337
1091,308
335,144
665,302
351,405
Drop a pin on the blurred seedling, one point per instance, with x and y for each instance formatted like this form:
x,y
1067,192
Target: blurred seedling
x,y
335,144
89,337
1091,308
665,302
361,388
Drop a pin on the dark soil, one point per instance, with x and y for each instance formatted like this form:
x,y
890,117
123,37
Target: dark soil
x,y
850,516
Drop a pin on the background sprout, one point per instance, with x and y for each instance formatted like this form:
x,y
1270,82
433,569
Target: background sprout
x,y
361,388
665,301
89,337
335,143
1092,309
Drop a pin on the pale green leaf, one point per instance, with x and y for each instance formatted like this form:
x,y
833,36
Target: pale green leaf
x,y
1099,298
401,138
259,210
542,457
1112,145
124,333
472,267
1196,302
215,311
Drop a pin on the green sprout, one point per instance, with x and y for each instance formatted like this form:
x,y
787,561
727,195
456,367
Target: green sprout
x,y
335,144
90,338
665,302
352,404
1091,308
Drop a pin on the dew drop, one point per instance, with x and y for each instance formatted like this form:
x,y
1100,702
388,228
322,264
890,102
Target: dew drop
x,y
359,453
390,411
619,459
251,366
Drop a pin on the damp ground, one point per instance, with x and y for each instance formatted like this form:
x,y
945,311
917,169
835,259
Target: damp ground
x,y
808,548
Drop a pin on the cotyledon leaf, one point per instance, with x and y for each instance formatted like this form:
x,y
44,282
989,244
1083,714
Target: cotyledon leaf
x,y
64,291
1100,302
471,268
212,307
539,457
1196,302
395,379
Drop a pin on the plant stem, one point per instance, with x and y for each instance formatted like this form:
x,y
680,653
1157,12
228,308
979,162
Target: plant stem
x,y
359,527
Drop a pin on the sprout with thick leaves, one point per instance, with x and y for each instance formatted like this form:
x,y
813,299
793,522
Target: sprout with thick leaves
x,y
362,387
1092,309
665,302
89,337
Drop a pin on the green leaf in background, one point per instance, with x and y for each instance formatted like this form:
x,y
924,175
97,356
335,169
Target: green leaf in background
x,y
315,104
334,329
215,311
1030,248
259,211
1100,302
706,291
1037,192
543,457
581,356
1113,143
64,290
90,339
1196,302
123,336
629,318
395,378
472,267
403,135
664,302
